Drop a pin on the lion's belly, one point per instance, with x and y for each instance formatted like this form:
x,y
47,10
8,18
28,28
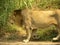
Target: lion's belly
x,y
43,20
43,23
40,23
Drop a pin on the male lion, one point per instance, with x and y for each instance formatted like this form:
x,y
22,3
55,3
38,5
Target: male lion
x,y
34,19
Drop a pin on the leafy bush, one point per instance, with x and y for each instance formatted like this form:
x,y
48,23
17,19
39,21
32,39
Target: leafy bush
x,y
44,4
45,34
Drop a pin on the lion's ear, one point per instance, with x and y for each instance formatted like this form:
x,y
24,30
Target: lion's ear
x,y
17,12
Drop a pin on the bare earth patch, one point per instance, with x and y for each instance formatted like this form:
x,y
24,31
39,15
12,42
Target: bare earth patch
x,y
30,43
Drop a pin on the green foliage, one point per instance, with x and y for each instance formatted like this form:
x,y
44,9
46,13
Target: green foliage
x,y
26,3
3,13
44,4
45,34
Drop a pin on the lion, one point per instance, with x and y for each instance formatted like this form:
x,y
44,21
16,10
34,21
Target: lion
x,y
32,19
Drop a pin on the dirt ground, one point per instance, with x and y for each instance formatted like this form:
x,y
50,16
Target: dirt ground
x,y
30,43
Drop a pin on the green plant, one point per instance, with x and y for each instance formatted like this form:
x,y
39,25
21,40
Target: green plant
x,y
45,34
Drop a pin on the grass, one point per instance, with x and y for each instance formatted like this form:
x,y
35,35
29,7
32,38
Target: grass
x,y
45,34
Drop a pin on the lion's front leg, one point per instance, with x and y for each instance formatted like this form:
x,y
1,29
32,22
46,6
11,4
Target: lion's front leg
x,y
28,31
27,24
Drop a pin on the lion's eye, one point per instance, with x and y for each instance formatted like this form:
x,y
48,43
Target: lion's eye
x,y
12,21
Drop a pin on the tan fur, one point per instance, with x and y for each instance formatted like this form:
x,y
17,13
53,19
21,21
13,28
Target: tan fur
x,y
35,18
40,19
